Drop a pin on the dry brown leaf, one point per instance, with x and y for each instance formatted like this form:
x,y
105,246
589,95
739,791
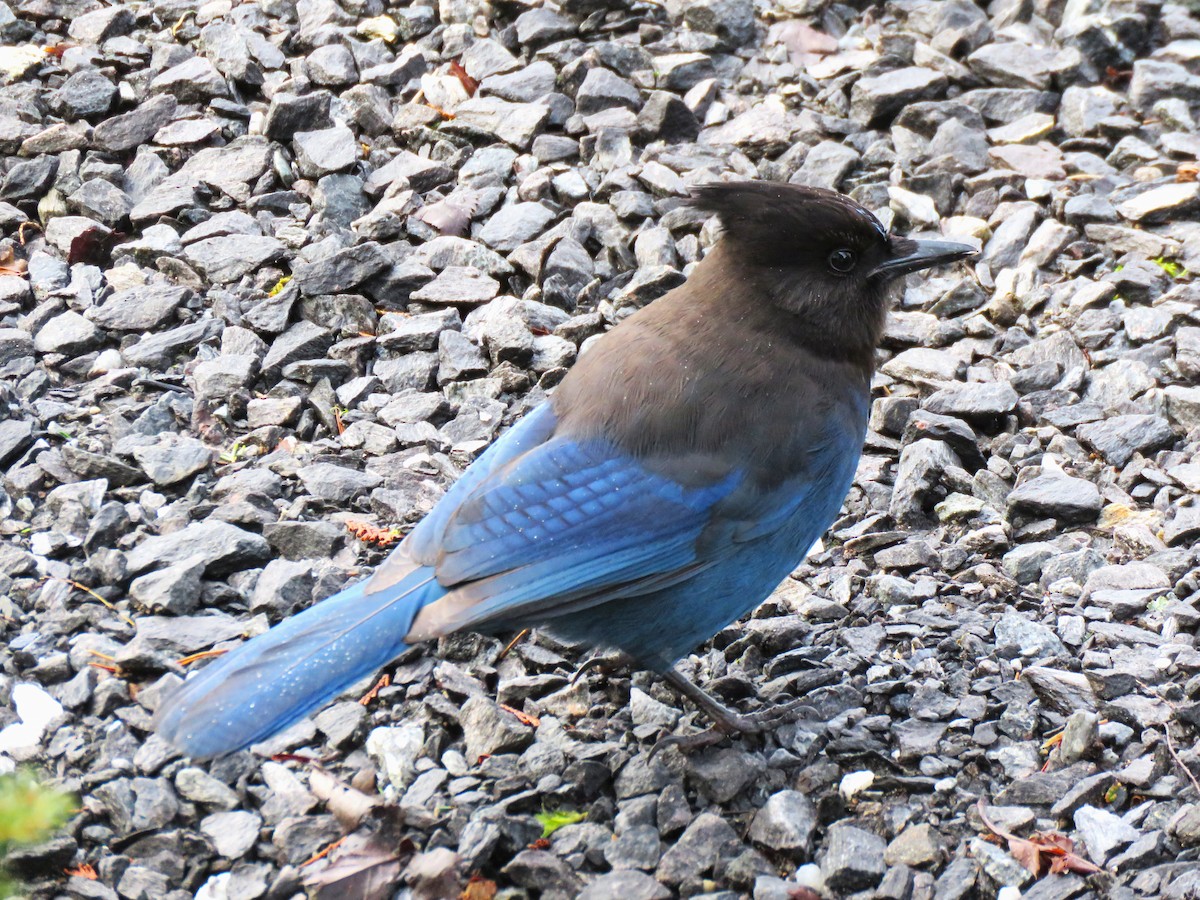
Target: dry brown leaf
x,y
1042,852
478,888
348,805
470,85
1026,853
360,869
1185,172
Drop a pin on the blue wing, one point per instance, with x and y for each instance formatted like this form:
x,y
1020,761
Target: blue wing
x,y
564,524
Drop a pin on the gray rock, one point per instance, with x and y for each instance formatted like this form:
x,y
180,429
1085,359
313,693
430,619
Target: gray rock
x,y
174,590
233,833
826,165
627,885
220,378
488,730
1118,438
786,822
173,459
327,150
334,483
515,224
524,85
300,837
542,870
973,400
730,20
29,179
195,80
601,90
290,113
875,99
331,65
138,804
494,119
853,858
68,333
101,24
916,845
1103,832
1161,204
229,257
722,775
707,844
304,340
341,271
460,284
459,358
1156,79
538,27
1030,639
222,547
1058,496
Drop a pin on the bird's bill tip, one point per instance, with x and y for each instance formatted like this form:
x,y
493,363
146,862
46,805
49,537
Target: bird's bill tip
x,y
911,255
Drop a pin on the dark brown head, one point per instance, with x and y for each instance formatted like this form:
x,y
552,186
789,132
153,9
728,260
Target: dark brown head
x,y
819,256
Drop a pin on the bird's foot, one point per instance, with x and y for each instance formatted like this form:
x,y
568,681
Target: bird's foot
x,y
728,722
605,661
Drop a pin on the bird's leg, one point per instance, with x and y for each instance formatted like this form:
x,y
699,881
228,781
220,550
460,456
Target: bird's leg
x,y
726,721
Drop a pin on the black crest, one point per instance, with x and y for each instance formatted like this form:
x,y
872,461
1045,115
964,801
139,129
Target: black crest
x,y
773,221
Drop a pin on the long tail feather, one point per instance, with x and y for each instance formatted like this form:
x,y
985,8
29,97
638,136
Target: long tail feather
x,y
276,679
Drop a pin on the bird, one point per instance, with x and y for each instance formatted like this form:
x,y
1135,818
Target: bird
x,y
675,477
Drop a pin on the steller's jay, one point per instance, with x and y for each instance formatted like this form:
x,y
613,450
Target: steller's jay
x,y
678,474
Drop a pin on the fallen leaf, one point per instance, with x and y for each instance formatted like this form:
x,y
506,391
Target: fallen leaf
x,y
92,246
83,870
470,85
1042,852
552,821
348,805
10,265
1187,172
478,888
1026,853
359,869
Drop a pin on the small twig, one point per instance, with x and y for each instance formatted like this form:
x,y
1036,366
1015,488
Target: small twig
x,y
87,590
203,654
507,650
1179,762
323,853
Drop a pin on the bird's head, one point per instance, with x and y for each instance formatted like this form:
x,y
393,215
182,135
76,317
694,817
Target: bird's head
x,y
819,256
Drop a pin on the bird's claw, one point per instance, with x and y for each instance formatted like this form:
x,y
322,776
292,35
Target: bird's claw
x,y
600,661
728,723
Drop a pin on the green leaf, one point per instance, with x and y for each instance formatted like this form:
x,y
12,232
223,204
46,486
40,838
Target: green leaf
x,y
1171,267
552,821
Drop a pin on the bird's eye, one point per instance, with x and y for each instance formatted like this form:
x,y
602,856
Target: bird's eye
x,y
842,260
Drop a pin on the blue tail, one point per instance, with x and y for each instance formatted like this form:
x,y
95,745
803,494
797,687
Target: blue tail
x,y
302,663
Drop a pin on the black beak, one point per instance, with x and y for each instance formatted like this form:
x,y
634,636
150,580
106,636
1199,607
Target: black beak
x,y
909,255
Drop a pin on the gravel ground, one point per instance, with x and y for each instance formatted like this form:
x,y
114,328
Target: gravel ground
x,y
289,266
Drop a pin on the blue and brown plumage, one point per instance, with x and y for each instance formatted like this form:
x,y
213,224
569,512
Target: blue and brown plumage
x,y
677,475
